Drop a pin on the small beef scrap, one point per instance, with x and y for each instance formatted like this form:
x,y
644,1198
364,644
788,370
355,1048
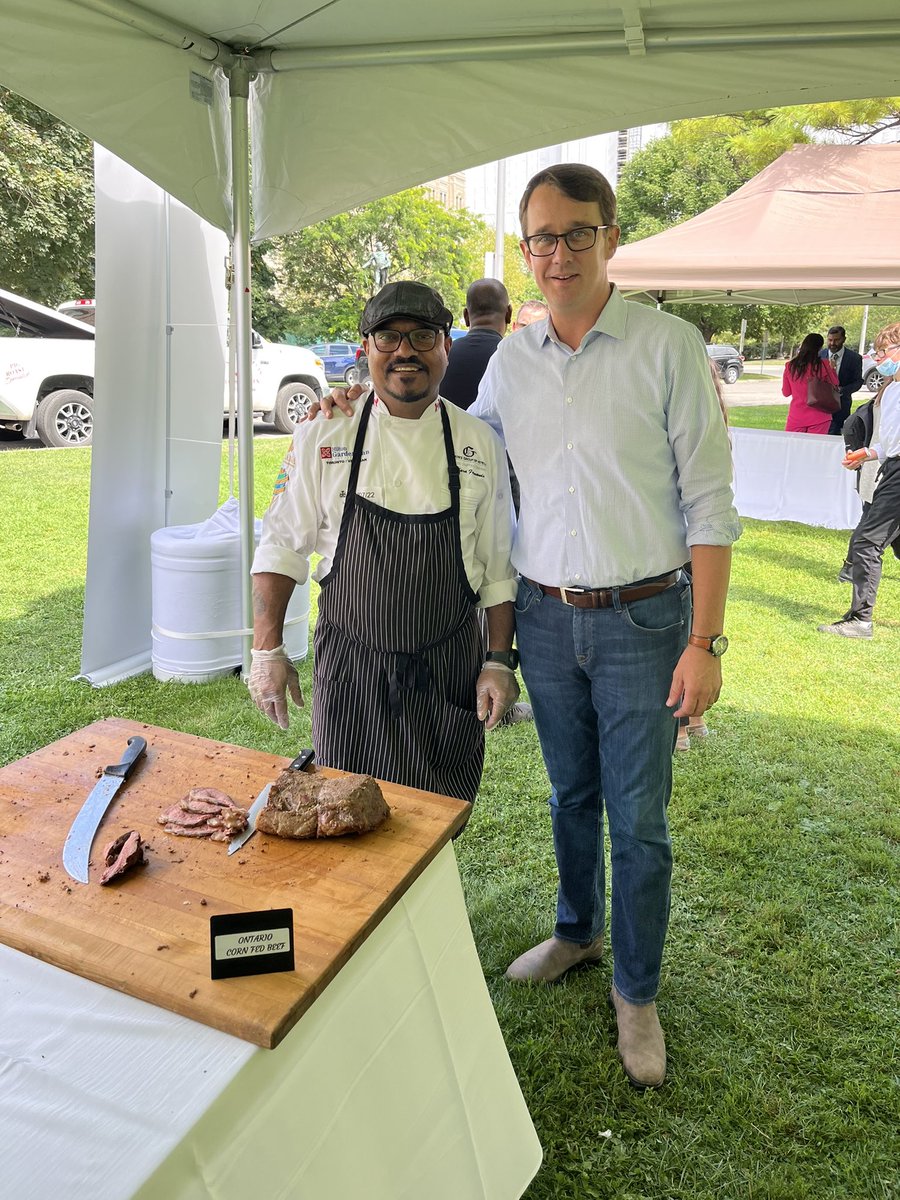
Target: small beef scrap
x,y
305,805
204,812
125,853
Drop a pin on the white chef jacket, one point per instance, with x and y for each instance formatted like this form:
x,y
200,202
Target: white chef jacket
x,y
404,469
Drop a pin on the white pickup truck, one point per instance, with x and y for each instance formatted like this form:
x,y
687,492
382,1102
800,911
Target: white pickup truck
x,y
47,374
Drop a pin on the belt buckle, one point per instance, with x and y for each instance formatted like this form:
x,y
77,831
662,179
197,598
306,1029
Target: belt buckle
x,y
565,592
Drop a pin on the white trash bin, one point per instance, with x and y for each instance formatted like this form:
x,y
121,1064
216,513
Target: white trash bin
x,y
195,579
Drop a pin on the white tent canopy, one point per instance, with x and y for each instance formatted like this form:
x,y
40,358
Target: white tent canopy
x,y
354,100
348,100
818,225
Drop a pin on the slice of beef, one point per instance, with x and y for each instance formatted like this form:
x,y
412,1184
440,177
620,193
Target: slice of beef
x,y
308,805
177,816
199,806
122,855
211,795
199,831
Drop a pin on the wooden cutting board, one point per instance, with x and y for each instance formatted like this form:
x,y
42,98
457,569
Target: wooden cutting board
x,y
148,934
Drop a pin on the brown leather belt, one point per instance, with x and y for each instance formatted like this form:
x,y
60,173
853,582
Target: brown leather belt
x,y
603,597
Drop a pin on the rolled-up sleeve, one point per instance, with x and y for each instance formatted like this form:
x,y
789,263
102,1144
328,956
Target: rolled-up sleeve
x,y
699,440
291,524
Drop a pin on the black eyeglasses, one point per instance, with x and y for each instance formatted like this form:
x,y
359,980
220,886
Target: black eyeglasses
x,y
387,340
542,245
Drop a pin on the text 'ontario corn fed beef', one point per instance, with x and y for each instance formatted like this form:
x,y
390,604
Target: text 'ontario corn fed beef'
x,y
303,805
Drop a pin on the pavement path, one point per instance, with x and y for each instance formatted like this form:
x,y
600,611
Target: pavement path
x,y
751,390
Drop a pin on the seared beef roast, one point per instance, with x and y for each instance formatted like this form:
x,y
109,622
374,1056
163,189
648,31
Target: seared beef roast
x,y
304,805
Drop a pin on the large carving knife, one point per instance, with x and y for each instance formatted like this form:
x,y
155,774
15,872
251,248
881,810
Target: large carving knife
x,y
303,760
77,849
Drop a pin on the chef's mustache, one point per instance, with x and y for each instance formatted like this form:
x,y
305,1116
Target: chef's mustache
x,y
407,362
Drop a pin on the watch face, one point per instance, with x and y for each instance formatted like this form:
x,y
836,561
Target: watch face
x,y
719,645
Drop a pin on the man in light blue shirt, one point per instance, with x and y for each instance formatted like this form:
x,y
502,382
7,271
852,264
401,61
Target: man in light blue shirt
x,y
612,425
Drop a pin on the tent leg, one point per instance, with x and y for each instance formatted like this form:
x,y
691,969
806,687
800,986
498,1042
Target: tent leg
x,y
239,80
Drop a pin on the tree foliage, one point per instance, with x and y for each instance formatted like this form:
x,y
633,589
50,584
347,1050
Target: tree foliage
x,y
323,282
758,137
46,205
704,160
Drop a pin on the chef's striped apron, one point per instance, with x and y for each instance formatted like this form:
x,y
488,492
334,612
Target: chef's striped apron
x,y
397,645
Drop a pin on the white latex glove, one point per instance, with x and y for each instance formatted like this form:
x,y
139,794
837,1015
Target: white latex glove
x,y
272,676
496,691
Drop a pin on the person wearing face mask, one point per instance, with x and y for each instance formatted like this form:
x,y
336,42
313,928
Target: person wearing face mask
x,y
880,522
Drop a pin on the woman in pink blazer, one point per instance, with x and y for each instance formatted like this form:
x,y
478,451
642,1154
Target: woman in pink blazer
x,y
805,363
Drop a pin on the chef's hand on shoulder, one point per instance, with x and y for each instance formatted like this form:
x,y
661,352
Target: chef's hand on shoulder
x,y
496,691
341,398
272,678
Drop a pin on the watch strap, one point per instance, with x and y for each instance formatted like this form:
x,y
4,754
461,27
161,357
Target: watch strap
x,y
508,658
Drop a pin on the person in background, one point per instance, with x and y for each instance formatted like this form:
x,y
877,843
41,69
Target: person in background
x,y
880,523
862,429
847,365
487,316
797,373
408,506
529,312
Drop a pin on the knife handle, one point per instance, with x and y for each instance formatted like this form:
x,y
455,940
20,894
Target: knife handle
x,y
136,747
303,760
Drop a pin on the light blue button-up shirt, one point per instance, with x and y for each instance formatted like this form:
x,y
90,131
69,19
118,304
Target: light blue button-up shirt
x,y
620,448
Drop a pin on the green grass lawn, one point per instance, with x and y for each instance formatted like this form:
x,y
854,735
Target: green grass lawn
x,y
758,416
779,991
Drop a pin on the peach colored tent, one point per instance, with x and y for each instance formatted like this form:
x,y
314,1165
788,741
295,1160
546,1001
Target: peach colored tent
x,y
820,224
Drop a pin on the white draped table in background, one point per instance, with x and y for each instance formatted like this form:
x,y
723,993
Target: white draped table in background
x,y
793,477
395,1085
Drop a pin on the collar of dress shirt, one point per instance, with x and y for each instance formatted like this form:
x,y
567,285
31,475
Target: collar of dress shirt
x,y
611,321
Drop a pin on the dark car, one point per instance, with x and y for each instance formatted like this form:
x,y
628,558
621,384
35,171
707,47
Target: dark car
x,y
729,363
339,358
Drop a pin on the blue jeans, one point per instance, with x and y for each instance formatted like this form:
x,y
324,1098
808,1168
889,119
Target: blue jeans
x,y
598,681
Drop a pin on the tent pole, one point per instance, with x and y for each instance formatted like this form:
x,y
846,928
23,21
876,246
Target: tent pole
x,y
239,90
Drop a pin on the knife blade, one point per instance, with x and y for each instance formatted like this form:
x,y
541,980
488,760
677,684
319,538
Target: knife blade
x,y
76,854
303,760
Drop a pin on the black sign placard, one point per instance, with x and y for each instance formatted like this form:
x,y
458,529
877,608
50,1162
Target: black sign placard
x,y
253,943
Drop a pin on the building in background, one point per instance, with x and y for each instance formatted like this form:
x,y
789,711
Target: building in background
x,y
608,152
449,190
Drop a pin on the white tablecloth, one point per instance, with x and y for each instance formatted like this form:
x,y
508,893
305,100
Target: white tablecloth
x,y
395,1085
794,477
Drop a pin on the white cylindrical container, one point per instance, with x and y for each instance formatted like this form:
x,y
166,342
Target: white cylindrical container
x,y
196,600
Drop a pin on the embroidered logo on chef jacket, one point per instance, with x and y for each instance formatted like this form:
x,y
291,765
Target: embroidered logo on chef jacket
x,y
340,454
471,463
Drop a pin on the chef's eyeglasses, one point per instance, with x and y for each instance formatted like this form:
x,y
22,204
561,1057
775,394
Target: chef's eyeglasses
x,y
387,340
542,245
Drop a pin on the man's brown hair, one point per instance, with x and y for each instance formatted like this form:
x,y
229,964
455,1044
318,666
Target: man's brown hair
x,y
578,182
888,337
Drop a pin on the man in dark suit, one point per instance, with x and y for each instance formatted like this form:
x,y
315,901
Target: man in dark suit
x,y
848,368
487,315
